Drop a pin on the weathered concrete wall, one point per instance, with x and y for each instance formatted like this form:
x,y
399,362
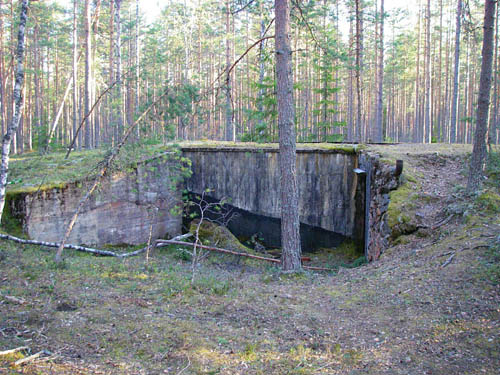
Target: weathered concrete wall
x,y
120,212
250,179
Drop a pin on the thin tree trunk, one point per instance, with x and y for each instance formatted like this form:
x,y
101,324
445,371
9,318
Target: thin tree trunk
x,y
492,133
88,50
379,131
479,149
118,73
230,133
454,99
427,133
359,68
290,224
18,105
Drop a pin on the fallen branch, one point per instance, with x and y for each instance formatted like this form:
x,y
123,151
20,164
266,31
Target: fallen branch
x,y
107,163
10,351
448,261
57,244
30,358
17,300
83,248
161,243
442,222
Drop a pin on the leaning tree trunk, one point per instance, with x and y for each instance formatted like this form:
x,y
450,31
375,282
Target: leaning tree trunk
x,y
18,105
290,225
479,150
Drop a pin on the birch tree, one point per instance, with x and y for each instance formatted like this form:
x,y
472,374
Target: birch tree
x,y
18,105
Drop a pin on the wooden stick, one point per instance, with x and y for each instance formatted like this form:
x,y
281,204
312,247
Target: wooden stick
x,y
31,358
448,261
10,351
218,249
442,222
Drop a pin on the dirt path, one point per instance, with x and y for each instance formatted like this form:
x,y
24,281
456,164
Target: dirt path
x,y
430,305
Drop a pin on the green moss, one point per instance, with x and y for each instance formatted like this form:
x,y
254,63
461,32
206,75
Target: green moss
x,y
254,146
402,201
11,222
489,201
212,234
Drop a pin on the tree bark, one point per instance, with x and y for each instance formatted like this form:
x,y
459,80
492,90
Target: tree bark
x,y
290,225
118,73
379,131
18,105
230,133
454,99
358,69
427,131
479,149
492,132
88,50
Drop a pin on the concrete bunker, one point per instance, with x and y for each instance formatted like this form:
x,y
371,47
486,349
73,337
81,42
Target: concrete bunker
x,y
344,193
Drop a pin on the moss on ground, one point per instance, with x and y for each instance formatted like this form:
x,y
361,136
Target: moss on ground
x,y
33,172
399,213
212,234
489,200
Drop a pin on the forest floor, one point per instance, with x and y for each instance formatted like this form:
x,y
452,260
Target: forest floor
x,y
430,305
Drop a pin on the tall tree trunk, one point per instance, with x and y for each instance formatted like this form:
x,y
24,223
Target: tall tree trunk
x,y
110,128
492,132
18,105
479,149
379,135
416,124
2,75
137,59
358,69
88,50
427,95
454,99
261,92
119,113
290,224
230,133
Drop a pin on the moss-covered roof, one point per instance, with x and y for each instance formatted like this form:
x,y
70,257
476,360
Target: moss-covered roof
x,y
345,148
32,172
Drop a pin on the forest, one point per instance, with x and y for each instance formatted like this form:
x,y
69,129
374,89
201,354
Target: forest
x,y
360,73
251,187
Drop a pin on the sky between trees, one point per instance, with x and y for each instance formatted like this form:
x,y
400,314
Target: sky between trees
x,y
124,60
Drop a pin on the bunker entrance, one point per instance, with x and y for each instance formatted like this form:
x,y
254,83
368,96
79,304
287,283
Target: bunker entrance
x,y
263,232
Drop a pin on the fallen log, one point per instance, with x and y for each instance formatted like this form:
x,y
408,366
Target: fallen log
x,y
161,243
158,243
10,351
83,248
